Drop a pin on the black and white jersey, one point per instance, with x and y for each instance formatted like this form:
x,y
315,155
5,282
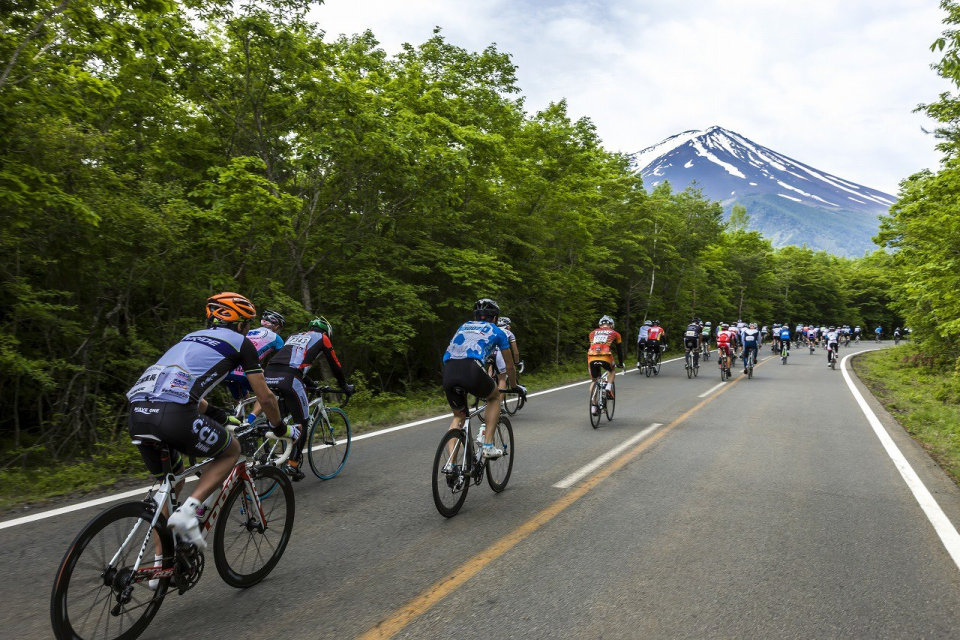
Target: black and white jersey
x,y
194,366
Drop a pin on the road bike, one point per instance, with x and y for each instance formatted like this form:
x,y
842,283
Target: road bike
x,y
705,351
832,355
784,354
692,363
107,587
459,461
722,360
602,399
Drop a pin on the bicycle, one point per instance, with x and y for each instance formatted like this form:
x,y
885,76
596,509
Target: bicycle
x,y
832,355
605,403
459,461
748,365
328,444
117,584
784,354
692,363
722,360
705,351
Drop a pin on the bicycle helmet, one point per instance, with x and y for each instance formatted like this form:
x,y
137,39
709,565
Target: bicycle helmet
x,y
656,323
229,308
648,323
606,320
486,308
707,323
504,321
322,325
753,325
273,318
724,326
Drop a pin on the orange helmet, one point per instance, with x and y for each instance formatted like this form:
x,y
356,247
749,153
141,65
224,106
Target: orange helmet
x,y
229,307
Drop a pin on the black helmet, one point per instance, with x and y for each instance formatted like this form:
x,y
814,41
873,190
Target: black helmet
x,y
273,318
486,308
656,323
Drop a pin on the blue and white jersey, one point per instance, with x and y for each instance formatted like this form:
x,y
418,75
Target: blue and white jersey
x,y
784,333
750,337
476,340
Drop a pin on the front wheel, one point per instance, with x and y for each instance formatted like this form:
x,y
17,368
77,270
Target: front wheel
x,y
499,469
450,479
93,598
331,438
648,370
656,367
248,542
610,405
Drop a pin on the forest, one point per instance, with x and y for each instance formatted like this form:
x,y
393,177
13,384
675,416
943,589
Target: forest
x,y
153,152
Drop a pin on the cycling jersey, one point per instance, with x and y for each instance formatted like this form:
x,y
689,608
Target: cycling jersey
x,y
195,365
301,351
785,333
750,337
691,336
644,333
475,340
705,332
267,343
501,364
655,333
601,341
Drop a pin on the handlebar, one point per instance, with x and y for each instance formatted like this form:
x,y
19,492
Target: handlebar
x,y
336,392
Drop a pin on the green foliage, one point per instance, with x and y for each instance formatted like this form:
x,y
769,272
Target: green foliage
x,y
155,152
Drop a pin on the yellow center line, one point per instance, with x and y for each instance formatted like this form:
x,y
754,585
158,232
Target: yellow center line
x,y
439,590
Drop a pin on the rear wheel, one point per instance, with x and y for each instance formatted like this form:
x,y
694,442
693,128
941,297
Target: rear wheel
x,y
331,438
499,469
246,546
656,366
450,482
689,367
595,406
93,598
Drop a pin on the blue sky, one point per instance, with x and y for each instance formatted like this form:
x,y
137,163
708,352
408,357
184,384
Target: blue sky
x,y
832,84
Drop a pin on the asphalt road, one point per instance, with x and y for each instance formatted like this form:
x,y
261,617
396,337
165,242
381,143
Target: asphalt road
x,y
767,508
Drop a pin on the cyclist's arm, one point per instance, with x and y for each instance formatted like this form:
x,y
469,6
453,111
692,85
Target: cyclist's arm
x,y
515,351
619,352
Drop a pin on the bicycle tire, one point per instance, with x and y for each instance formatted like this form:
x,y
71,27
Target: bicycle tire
x,y
723,373
502,467
455,485
648,369
333,443
689,367
595,404
696,370
657,364
610,405
63,625
243,520
510,408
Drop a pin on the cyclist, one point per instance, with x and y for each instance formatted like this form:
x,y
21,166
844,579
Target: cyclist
x,y
642,340
785,338
655,337
763,334
167,403
599,355
267,341
691,342
896,334
832,338
463,369
726,342
856,333
705,338
504,323
751,343
286,374
878,332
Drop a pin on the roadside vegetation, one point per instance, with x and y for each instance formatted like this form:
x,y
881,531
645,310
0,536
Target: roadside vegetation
x,y
923,393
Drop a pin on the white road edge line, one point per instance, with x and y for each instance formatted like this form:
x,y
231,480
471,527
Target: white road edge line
x,y
139,492
944,528
579,474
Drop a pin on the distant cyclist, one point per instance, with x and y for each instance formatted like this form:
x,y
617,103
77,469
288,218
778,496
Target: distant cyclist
x,y
832,338
705,332
267,340
504,323
878,332
750,337
642,340
600,354
655,337
785,338
691,342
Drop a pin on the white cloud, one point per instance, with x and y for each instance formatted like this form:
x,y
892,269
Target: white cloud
x,y
832,84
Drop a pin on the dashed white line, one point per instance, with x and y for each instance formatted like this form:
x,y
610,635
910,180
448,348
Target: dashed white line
x,y
581,473
941,524
711,390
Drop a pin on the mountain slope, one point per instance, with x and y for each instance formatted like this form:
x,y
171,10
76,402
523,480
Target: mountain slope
x,y
788,201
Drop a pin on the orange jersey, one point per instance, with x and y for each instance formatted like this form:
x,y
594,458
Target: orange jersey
x,y
655,333
601,340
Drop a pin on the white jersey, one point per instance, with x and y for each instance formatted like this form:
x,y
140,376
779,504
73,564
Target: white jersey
x,y
832,337
644,331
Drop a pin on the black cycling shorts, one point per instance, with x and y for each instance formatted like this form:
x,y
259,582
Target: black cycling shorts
x,y
598,367
466,374
289,387
690,343
181,426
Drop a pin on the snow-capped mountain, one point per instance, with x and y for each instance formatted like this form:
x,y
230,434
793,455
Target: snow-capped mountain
x,y
788,201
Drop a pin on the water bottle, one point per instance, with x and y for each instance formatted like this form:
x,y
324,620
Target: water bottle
x,y
480,433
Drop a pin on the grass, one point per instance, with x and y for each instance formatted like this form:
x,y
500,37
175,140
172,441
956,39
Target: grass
x,y
118,464
924,397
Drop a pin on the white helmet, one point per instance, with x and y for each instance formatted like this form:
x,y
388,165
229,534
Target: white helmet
x,y
606,320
